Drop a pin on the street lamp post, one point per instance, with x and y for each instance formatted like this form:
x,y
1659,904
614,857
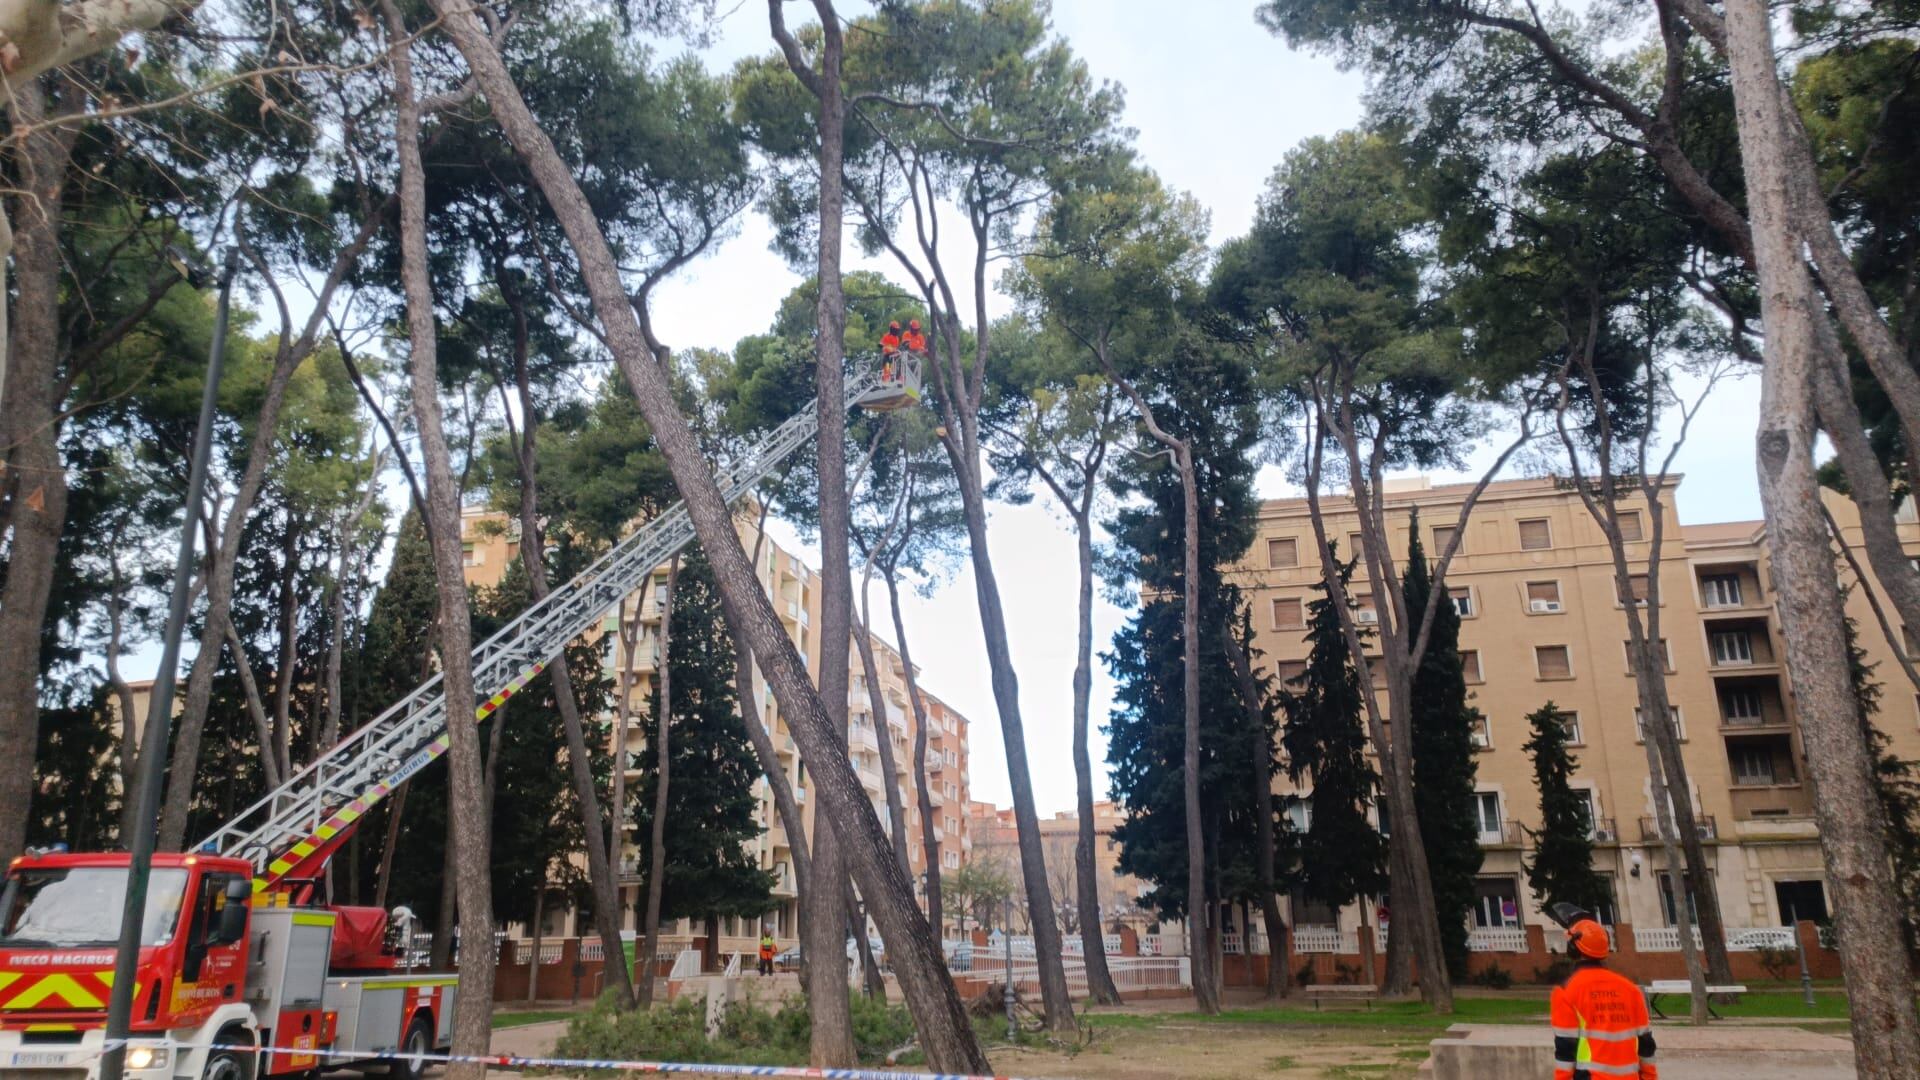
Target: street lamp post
x,y
1007,921
153,759
1800,948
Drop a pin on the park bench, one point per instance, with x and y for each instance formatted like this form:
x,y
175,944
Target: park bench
x,y
1658,987
1367,995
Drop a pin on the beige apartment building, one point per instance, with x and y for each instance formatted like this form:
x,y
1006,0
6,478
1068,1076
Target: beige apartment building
x,y
491,543
1541,620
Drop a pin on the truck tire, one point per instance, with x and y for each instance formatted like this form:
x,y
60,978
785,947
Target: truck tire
x,y
419,1040
225,1065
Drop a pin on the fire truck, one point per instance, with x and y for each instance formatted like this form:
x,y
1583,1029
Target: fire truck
x,y
246,969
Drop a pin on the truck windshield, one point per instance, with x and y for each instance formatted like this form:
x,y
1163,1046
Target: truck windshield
x,y
81,906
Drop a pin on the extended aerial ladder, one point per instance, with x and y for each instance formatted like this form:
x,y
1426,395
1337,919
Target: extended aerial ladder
x,y
290,834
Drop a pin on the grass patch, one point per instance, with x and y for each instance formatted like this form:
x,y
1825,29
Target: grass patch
x,y
1783,1005
1283,1062
522,1019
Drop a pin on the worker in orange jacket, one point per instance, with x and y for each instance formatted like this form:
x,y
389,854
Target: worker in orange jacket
x,y
889,350
1599,1017
915,341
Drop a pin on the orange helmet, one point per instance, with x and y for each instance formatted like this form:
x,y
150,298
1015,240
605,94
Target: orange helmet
x,y
1587,938
894,326
913,324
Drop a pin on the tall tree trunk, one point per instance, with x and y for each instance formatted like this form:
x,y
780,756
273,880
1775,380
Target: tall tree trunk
x,y
122,691
1086,873
938,1012
663,768
289,652
792,821
876,983
1663,816
473,1013
882,735
256,708
36,477
1262,750
921,782
384,875
1206,988
1886,1029
600,869
534,931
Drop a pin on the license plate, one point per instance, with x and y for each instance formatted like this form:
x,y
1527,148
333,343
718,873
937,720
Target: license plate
x,y
39,1057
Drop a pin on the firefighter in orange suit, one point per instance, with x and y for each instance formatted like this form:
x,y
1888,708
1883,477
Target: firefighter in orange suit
x,y
915,341
1599,1017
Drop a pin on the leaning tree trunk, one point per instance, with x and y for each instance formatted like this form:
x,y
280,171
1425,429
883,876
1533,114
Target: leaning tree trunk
x,y
921,784
1100,985
1663,816
1886,1029
657,837
883,739
473,1013
938,1012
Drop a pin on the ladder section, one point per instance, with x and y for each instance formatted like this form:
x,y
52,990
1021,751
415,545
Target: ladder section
x,y
300,822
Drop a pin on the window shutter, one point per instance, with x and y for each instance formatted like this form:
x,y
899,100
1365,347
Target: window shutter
x,y
1535,535
1553,661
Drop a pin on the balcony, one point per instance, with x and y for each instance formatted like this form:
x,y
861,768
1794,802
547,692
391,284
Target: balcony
x,y
1508,835
1650,827
1605,831
860,737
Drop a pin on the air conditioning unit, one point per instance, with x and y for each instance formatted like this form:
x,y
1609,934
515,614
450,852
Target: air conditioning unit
x,y
1543,607
1604,836
1367,616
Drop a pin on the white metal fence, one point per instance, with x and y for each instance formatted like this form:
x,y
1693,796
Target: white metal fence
x,y
1325,939
1073,945
1753,939
1504,939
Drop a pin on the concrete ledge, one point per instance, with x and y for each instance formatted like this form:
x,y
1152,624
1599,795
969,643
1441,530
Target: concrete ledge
x,y
1729,1052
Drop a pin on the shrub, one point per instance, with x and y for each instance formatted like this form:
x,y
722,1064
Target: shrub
x,y
1493,977
1304,976
1553,974
1776,962
747,1034
1345,974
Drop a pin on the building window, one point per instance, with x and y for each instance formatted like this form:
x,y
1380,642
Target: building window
x,y
1732,647
1801,900
1572,724
1636,591
1590,807
1721,590
1543,597
1673,714
1741,706
1442,536
1299,814
1356,547
1752,765
1289,671
469,554
1289,613
1486,816
1535,535
1630,525
1470,665
1495,902
1283,552
1552,662
1667,909
1480,730
1462,601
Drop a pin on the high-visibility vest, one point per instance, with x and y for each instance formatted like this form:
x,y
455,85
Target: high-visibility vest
x,y
766,948
1600,1027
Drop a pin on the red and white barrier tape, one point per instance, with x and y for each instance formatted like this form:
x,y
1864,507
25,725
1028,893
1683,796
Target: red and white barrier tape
x,y
512,1061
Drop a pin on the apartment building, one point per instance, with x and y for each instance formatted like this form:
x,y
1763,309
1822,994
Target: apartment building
x,y
996,838
1542,620
491,542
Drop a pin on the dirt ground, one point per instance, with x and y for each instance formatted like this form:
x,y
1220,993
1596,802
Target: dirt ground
x,y
1174,1051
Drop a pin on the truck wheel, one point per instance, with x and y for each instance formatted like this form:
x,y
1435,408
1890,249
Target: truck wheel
x,y
419,1040
225,1065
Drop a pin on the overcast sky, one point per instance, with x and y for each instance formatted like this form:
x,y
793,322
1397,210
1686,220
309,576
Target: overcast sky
x,y
1216,102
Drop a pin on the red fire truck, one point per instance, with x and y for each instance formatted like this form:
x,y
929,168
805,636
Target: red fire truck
x,y
277,986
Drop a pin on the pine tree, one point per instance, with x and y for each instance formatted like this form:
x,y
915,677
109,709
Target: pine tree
x,y
1444,764
1342,856
1562,866
711,809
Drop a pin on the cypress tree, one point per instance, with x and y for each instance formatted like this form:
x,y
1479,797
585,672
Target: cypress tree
x,y
1562,866
1444,765
1342,856
710,802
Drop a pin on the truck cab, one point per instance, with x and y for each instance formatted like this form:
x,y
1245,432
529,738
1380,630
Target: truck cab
x,y
231,984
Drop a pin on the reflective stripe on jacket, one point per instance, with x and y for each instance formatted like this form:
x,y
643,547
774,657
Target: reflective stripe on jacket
x,y
1600,1027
